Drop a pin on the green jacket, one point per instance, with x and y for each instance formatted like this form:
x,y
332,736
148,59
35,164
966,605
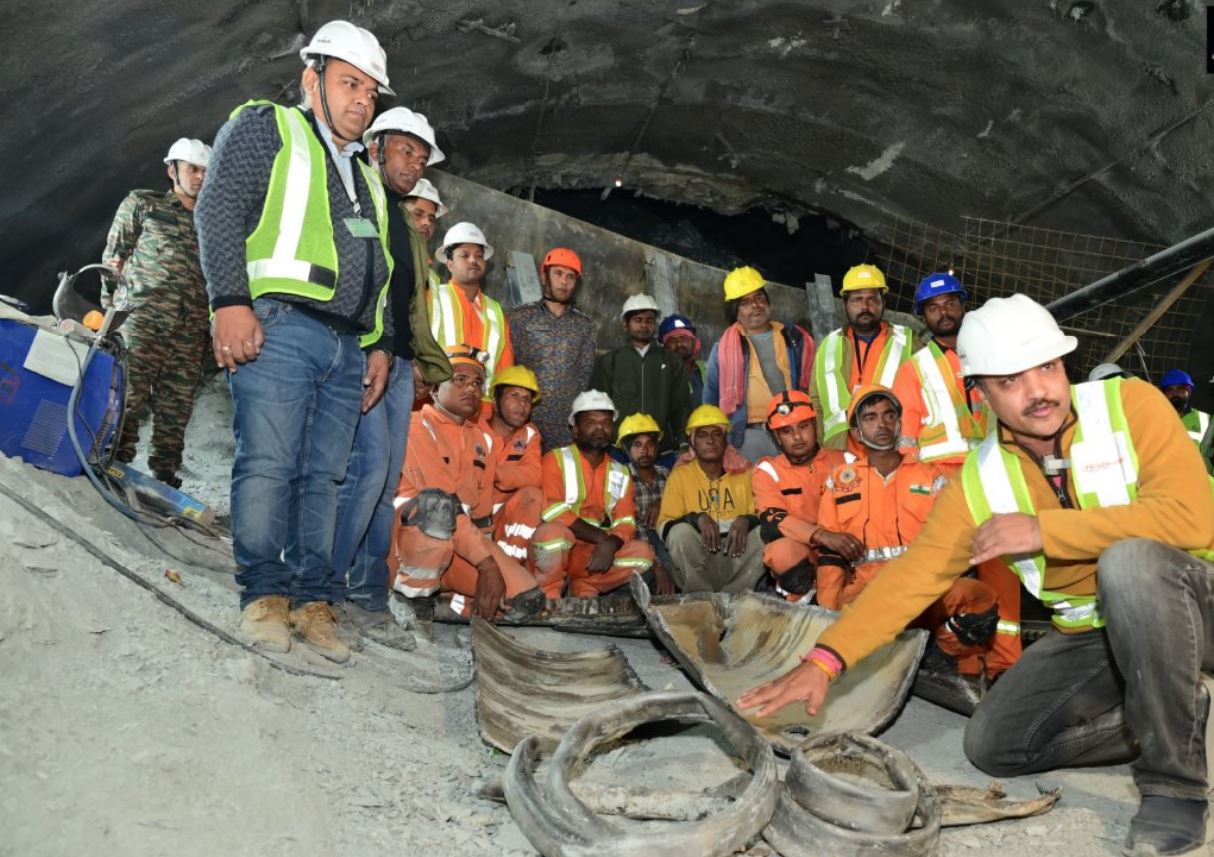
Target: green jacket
x,y
428,355
655,384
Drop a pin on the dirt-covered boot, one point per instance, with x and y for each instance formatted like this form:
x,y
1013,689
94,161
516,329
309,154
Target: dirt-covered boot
x,y
315,624
265,623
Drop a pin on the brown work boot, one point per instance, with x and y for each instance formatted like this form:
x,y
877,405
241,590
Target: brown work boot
x,y
315,624
265,623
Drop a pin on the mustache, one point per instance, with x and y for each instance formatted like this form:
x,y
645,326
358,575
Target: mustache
x,y
1037,403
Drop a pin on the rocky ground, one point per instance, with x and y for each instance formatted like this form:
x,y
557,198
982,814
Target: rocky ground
x,y
126,729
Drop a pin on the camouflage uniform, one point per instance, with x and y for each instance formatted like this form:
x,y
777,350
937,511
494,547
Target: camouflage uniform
x,y
169,326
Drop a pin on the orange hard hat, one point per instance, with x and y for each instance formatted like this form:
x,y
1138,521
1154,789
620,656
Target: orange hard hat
x,y
562,256
870,391
789,408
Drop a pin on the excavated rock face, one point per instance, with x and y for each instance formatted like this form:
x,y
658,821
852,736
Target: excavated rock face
x,y
1078,115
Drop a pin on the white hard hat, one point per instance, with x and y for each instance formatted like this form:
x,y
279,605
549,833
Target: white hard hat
x,y
192,151
344,41
637,303
593,400
1107,370
464,233
1009,335
404,121
424,189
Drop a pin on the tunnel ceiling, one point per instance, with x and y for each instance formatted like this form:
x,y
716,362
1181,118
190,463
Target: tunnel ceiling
x,y
1089,116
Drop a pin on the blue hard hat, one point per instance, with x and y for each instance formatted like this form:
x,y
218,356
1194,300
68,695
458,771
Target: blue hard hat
x,y
675,322
938,284
1176,378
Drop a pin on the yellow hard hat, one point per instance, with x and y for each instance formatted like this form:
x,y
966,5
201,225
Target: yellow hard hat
x,y
518,376
863,277
742,281
637,424
706,415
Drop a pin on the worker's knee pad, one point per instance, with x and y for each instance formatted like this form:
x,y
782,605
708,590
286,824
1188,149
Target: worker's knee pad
x,y
974,629
769,524
798,580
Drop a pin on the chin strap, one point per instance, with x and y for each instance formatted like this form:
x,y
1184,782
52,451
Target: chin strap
x,y
177,185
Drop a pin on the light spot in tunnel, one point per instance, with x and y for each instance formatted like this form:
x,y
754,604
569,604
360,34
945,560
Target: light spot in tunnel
x,y
880,164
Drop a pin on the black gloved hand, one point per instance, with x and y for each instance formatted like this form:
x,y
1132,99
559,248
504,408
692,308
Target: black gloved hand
x,y
974,629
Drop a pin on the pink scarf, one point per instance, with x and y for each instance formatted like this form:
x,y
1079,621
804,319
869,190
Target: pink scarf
x,y
731,368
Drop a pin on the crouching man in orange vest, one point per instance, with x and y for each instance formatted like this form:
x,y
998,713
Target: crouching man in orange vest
x,y
590,521
446,503
1097,499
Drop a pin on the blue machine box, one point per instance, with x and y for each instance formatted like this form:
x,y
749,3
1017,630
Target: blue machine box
x,y
37,370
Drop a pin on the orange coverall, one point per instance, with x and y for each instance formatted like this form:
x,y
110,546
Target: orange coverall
x,y
518,498
787,498
1006,647
890,513
457,458
557,551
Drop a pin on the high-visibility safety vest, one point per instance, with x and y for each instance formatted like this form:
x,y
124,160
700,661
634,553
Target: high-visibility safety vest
x,y
835,390
949,427
615,488
447,326
1104,465
1196,423
292,250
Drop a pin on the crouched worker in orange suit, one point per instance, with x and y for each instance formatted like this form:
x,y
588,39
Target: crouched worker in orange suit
x,y
446,501
788,492
590,524
942,420
518,495
872,509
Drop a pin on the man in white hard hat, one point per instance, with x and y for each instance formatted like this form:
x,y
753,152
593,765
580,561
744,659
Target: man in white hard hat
x,y
460,311
401,145
153,243
642,376
1096,499
589,529
293,232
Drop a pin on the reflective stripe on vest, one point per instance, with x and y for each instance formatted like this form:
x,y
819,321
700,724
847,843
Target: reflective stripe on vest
x,y
1203,424
292,250
947,410
1105,472
615,487
447,326
835,391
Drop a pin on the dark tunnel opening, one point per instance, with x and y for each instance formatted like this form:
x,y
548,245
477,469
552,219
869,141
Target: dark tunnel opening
x,y
785,248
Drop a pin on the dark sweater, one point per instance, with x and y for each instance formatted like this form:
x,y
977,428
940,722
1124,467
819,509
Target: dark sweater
x,y
404,277
229,208
655,384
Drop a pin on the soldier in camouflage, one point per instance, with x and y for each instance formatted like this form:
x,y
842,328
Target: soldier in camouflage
x,y
153,243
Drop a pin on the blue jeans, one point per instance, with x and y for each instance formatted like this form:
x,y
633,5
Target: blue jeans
x,y
365,513
296,409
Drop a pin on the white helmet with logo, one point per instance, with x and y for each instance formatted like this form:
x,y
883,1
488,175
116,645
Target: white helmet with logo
x,y
1009,335
593,400
464,233
402,120
191,151
345,41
